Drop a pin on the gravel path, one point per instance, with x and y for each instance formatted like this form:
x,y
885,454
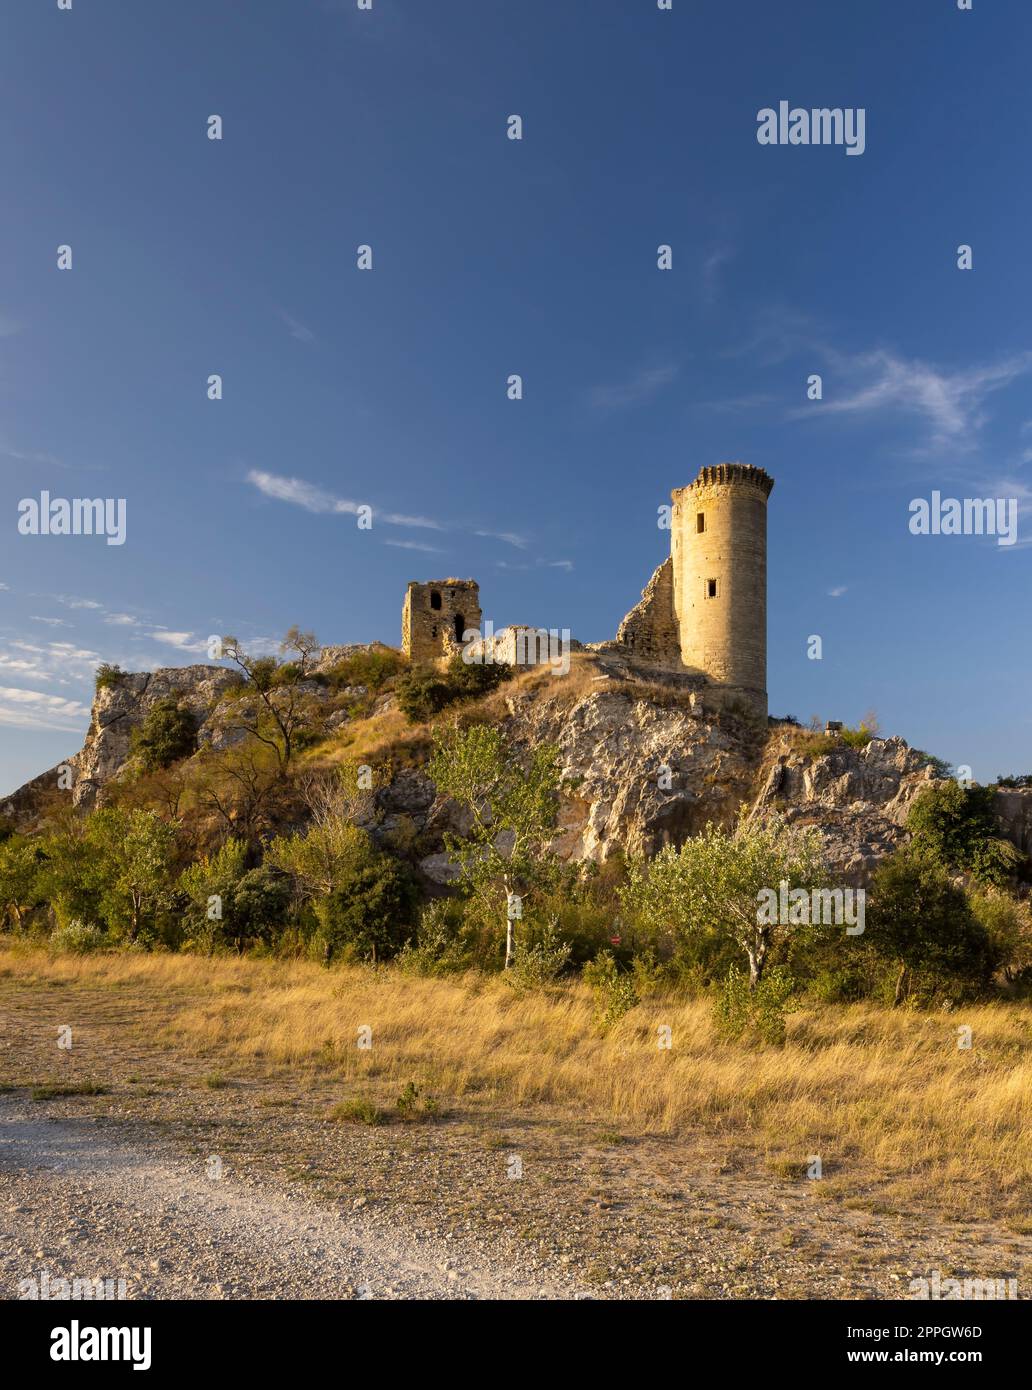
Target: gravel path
x,y
77,1203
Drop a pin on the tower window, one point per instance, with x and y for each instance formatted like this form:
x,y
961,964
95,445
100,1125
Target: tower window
x,y
435,599
711,588
700,522
433,630
460,626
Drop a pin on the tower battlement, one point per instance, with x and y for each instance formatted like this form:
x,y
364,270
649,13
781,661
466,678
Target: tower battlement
x,y
727,475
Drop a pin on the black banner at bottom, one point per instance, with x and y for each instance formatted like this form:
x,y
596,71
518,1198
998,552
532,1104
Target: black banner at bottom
x,y
170,1339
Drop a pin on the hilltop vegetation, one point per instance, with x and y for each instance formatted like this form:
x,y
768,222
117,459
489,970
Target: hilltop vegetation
x,y
269,821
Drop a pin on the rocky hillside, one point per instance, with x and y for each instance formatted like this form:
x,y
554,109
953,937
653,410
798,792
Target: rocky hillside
x,y
645,761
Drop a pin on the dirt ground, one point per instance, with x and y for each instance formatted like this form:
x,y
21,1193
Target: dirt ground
x,y
188,1183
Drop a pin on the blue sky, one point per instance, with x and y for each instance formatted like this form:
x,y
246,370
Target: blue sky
x,y
492,257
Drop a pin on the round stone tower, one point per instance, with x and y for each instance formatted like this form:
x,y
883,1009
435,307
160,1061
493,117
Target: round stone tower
x,y
719,552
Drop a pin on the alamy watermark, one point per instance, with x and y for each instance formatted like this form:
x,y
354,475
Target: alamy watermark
x,y
44,1287
818,125
936,1287
79,516
518,646
812,907
968,516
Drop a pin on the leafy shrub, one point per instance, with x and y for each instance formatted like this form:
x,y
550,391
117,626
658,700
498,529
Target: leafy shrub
x,y
424,691
358,1112
107,675
262,903
76,938
539,963
647,972
470,680
363,900
168,733
856,738
412,1105
918,919
613,990
1008,924
761,1012
957,826
373,669
442,945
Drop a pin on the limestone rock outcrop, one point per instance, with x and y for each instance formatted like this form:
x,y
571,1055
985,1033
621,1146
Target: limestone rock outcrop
x,y
647,759
121,707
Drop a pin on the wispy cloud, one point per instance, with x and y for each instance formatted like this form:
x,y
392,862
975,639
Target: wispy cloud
x,y
399,519
509,537
640,387
711,267
1022,494
31,456
838,591
298,493
535,565
60,663
182,641
23,666
30,709
296,328
51,622
121,620
778,332
316,499
70,601
950,403
415,545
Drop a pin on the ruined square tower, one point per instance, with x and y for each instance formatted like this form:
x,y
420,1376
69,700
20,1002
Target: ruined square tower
x,y
436,614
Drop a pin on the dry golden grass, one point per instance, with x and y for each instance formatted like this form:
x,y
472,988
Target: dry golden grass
x,y
881,1095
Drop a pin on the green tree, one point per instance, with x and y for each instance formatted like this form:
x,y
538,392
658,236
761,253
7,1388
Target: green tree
x,y
168,733
281,705
511,808
262,902
920,920
135,854
72,871
211,887
957,826
362,899
371,912
711,885
107,675
21,861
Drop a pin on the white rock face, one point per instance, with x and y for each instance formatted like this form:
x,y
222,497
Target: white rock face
x,y
122,707
857,797
643,765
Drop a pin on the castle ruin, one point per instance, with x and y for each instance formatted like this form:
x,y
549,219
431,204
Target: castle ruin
x,y
705,608
702,614
435,615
